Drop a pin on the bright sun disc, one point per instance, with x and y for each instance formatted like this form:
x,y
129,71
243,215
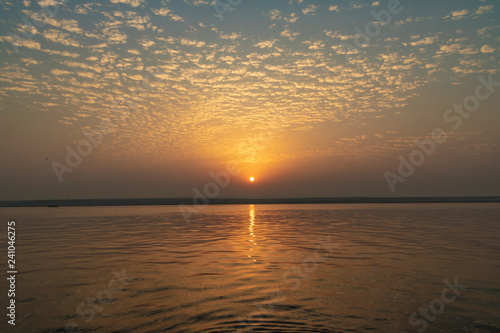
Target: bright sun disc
x,y
252,179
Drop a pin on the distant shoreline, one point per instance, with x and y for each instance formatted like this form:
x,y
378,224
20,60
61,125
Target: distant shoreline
x,y
242,201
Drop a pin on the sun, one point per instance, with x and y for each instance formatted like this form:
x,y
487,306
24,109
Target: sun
x,y
252,179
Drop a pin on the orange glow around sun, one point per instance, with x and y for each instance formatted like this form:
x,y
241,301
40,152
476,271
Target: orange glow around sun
x,y
252,179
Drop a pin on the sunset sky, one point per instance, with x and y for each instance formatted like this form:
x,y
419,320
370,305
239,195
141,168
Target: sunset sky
x,y
278,87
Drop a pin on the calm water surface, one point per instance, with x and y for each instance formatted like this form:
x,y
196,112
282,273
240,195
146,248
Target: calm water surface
x,y
262,268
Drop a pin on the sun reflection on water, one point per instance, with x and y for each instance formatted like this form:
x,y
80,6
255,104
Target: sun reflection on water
x,y
252,239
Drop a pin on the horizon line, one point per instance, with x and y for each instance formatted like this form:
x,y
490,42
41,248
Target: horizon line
x,y
244,200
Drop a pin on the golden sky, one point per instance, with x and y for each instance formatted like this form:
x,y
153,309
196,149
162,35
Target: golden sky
x,y
313,98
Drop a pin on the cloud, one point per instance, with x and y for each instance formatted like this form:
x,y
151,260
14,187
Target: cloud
x,y
451,48
136,77
47,3
29,43
30,61
175,17
167,12
232,36
59,37
137,21
192,42
424,41
209,62
487,49
113,33
87,75
57,71
81,10
457,14
484,9
458,47
62,53
266,44
228,59
310,9
376,3
336,34
315,45
357,6
292,18
198,2
274,14
68,25
132,3
391,39
403,22
288,34
162,11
